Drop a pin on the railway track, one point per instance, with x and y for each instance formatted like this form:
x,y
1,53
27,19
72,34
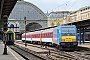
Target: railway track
x,y
25,54
80,53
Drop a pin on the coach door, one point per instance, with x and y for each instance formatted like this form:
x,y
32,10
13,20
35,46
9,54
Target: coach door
x,y
10,37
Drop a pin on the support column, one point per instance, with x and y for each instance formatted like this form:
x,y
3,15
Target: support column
x,y
1,8
1,25
80,35
83,35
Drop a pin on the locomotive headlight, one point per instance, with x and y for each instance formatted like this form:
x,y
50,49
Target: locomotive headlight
x,y
73,39
63,40
74,43
62,43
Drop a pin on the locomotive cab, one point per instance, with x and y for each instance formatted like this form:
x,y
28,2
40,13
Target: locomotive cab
x,y
68,37
10,37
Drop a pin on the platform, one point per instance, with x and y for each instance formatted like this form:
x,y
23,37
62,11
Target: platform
x,y
11,55
87,45
34,49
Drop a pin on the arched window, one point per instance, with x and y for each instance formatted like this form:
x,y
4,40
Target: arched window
x,y
11,26
58,24
52,24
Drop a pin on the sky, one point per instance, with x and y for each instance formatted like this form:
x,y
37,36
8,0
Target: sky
x,y
59,5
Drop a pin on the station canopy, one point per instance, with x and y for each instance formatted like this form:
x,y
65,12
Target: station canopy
x,y
6,7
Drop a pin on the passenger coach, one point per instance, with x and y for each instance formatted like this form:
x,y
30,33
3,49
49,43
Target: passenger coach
x,y
64,37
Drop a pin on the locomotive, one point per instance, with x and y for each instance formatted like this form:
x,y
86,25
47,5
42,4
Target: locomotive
x,y
64,37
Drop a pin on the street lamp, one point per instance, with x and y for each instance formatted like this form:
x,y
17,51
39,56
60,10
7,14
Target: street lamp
x,y
25,29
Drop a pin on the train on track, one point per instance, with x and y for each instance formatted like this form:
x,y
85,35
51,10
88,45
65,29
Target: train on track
x,y
9,37
64,37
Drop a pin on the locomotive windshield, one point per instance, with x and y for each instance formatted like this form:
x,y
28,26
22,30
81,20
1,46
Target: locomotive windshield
x,y
67,31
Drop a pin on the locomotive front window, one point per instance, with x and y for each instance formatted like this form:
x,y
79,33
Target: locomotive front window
x,y
72,30
68,31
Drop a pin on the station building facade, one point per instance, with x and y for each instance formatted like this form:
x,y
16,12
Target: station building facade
x,y
57,18
35,18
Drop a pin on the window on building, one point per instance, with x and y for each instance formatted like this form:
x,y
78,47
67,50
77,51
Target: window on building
x,y
58,24
52,24
11,26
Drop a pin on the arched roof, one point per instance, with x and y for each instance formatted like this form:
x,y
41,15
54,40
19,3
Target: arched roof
x,y
23,8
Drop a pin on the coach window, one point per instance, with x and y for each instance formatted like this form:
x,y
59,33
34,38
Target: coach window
x,y
42,35
32,35
27,36
37,35
48,34
51,34
23,36
45,34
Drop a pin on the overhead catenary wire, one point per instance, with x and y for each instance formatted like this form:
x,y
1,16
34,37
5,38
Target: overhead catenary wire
x,y
72,4
66,3
62,5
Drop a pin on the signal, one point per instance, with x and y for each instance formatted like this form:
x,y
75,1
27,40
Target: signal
x,y
5,25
